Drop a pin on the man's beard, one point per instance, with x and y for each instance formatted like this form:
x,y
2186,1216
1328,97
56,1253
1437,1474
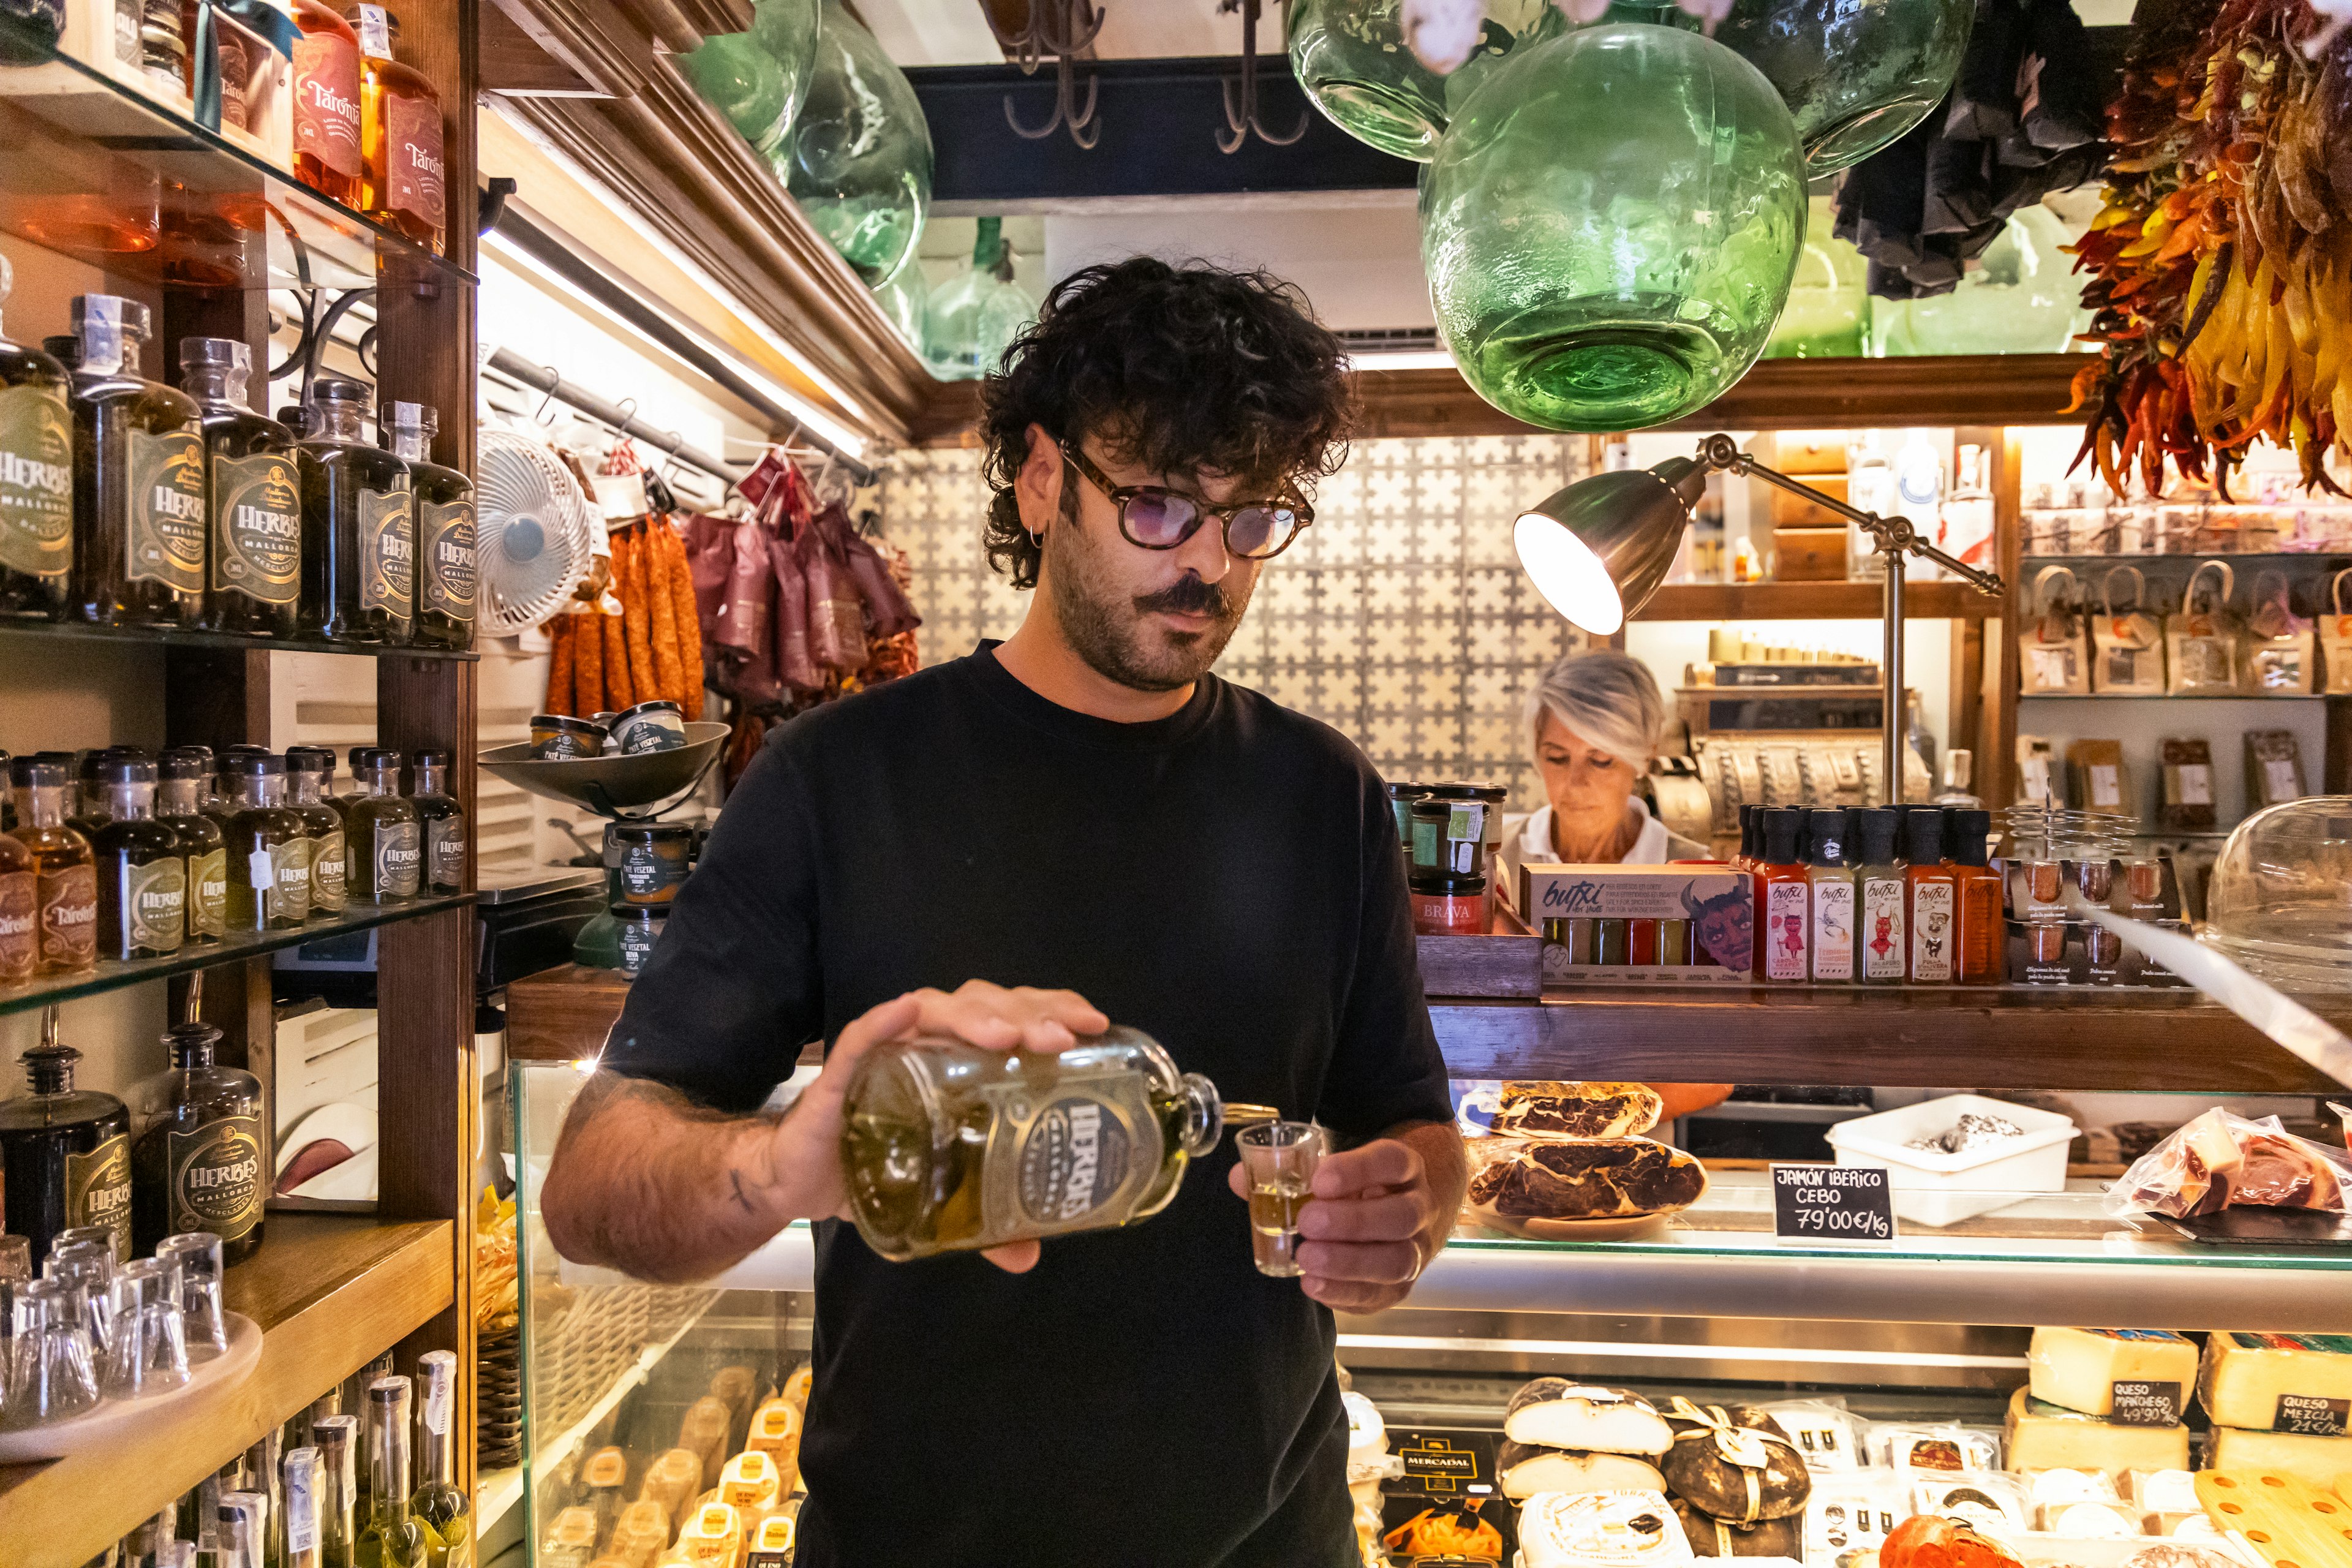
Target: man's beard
x,y
1112,633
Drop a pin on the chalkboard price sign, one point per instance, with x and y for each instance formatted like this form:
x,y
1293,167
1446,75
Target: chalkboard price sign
x,y
1833,1203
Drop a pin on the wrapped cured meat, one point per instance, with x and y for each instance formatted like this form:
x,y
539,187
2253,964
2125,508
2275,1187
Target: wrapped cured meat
x,y
1554,1413
1523,1470
2219,1161
1734,1462
1539,1109
1599,1178
1712,1537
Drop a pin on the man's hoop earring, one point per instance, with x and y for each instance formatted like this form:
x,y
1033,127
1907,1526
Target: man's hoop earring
x,y
1037,537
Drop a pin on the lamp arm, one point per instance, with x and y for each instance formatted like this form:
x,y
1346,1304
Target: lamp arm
x,y
1891,533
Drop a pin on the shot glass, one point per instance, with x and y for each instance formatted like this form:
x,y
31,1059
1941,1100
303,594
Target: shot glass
x,y
56,1375
1280,1158
149,1351
198,1253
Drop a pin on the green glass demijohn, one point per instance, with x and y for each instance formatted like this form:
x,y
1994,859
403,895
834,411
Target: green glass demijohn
x,y
973,317
1351,59
858,160
1611,225
756,79
1828,313
1856,74
902,300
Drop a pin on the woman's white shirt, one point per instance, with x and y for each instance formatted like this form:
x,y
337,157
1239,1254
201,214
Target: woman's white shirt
x,y
1527,840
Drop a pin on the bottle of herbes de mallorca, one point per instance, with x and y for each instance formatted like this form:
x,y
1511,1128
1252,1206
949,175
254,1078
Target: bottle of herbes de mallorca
x,y
36,479
200,1159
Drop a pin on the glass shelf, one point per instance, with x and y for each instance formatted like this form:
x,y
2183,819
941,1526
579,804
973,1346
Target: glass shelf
x,y
112,976
2192,558
182,636
92,171
2172,697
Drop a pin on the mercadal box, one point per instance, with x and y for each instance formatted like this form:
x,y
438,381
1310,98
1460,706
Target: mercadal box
x,y
1718,901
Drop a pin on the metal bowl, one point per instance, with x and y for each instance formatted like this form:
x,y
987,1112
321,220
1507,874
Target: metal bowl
x,y
610,786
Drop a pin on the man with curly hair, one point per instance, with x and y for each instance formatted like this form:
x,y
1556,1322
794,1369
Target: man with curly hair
x,y
1083,808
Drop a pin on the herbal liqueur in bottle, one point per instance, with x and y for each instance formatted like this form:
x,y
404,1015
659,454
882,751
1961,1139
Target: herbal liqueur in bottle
x,y
387,835
255,499
443,821
37,478
20,913
359,540
308,769
65,1154
65,883
268,856
184,771
439,1502
201,1159
143,874
402,184
327,102
393,1537
139,477
444,504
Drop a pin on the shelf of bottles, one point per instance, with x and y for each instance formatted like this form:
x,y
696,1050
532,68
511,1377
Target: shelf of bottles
x,y
92,170
196,637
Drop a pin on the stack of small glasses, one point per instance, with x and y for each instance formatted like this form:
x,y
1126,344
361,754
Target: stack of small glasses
x,y
91,1330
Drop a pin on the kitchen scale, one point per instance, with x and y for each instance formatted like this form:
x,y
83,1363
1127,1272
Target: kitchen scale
x,y
634,787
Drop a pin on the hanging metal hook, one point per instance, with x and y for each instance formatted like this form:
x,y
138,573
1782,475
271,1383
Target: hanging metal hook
x,y
1241,95
555,378
1064,29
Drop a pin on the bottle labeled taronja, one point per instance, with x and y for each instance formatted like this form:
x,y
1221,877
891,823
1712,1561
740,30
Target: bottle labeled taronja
x,y
949,1147
65,882
327,102
403,180
254,495
36,479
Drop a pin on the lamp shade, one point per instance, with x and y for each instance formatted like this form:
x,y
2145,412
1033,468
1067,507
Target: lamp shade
x,y
1599,549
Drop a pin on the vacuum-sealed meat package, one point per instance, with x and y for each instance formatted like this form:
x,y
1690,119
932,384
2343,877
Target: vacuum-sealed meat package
x,y
2221,1161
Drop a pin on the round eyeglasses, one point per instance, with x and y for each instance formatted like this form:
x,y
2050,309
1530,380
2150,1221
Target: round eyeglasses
x,y
1154,518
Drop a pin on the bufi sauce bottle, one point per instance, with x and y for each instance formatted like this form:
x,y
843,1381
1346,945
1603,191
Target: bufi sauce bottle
x,y
1784,899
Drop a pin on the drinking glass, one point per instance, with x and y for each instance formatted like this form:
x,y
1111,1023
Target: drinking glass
x,y
150,1352
80,1232
197,1254
1280,1158
56,1376
86,1270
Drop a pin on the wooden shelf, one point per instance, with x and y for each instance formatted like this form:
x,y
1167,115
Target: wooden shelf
x,y
188,637
329,1291
1814,601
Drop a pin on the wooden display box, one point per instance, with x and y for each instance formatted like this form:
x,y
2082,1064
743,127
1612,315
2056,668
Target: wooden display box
x,y
1808,555
1507,962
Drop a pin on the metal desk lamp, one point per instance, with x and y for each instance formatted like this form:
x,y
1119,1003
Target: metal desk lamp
x,y
1599,549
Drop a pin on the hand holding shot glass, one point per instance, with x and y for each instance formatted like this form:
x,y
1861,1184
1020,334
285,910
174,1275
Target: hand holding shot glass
x,y
1279,1159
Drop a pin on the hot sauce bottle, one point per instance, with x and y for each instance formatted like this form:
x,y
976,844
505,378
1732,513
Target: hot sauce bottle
x,y
1784,897
327,102
1830,871
64,885
36,479
1979,895
139,477
254,496
403,173
1933,898
1879,894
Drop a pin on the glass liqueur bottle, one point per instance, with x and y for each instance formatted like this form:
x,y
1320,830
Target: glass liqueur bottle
x,y
950,1147
35,479
253,499
180,799
392,1536
444,507
402,169
139,477
269,854
142,875
201,1159
387,832
65,1154
359,540
89,809
444,822
439,1503
65,882
20,919
308,769
327,102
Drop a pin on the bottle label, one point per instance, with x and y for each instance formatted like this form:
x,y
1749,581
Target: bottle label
x,y
1932,936
293,865
1882,954
637,939
215,1176
445,852
302,1509
1833,930
35,481
68,901
413,149
98,1190
20,933
208,893
165,541
387,553
444,540
399,861
375,34
256,528
436,1398
1074,1158
327,101
1785,947
329,872
154,905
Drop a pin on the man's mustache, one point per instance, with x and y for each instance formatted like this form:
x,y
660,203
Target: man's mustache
x,y
1188,595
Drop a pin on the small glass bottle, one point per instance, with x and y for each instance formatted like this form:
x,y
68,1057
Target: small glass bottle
x,y
443,821
142,875
359,541
337,1437
1959,769
305,1507
444,504
37,478
327,102
268,853
308,769
1933,905
65,876
20,913
184,771
393,1537
139,477
387,834
439,1503
403,179
201,1156
1982,932
1784,899
1880,948
254,496
1829,870
89,808
65,1154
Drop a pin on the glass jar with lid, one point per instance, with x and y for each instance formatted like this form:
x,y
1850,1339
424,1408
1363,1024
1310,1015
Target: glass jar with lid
x,y
2280,901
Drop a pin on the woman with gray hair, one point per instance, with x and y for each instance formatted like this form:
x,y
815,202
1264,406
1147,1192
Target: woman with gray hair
x,y
1594,720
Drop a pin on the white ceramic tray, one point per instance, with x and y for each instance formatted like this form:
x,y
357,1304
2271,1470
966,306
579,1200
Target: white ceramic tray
x,y
115,1419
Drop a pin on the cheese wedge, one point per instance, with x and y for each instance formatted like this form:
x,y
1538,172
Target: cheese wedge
x,y
2044,1437
2322,1461
2079,1368
2298,1384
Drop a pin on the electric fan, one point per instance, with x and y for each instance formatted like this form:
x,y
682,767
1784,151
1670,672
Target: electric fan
x,y
532,536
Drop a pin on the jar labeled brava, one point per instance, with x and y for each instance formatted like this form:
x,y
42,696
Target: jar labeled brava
x,y
949,1147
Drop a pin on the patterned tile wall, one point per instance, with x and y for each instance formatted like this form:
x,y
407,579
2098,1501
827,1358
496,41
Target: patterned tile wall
x,y
1401,618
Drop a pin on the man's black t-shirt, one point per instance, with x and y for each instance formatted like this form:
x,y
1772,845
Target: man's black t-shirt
x,y
1227,880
